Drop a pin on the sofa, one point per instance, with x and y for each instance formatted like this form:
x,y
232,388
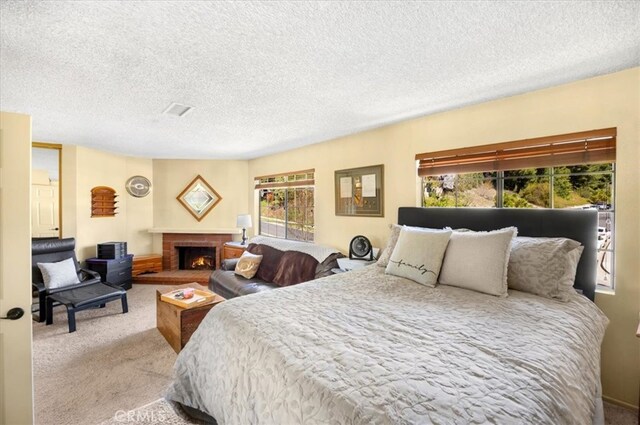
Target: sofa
x,y
284,263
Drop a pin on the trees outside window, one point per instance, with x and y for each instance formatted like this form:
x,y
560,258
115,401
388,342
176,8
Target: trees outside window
x,y
585,186
287,206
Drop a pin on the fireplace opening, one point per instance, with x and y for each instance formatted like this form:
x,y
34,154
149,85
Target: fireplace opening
x,y
196,258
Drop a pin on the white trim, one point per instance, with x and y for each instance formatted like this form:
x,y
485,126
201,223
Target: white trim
x,y
233,231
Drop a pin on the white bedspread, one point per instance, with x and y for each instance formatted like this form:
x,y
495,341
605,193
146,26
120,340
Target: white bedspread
x,y
366,348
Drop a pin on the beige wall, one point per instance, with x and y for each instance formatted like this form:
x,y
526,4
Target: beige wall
x,y
15,268
84,169
228,178
139,211
607,101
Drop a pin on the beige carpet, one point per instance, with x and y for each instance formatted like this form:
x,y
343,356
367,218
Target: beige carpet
x,y
159,412
114,363
616,415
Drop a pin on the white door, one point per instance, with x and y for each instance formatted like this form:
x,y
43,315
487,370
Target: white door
x,y
16,395
44,211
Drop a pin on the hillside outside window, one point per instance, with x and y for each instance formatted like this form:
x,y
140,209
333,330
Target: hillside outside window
x,y
287,205
568,171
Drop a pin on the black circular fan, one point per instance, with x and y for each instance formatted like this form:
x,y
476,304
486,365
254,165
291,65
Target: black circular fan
x,y
360,248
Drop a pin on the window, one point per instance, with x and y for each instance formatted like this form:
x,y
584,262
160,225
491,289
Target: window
x,y
286,205
569,171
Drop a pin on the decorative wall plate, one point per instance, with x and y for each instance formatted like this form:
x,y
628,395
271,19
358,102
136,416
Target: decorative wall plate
x,y
138,186
199,198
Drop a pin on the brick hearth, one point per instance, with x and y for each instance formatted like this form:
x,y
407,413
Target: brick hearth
x,y
176,277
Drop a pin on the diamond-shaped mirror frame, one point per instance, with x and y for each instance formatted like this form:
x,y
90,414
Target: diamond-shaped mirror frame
x,y
199,198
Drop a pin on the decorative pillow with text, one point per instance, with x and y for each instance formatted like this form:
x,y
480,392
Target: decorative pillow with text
x,y
418,254
383,259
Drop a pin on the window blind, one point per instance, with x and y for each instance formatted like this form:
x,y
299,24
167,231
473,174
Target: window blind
x,y
290,179
587,147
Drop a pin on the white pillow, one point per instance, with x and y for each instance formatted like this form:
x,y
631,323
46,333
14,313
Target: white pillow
x,y
478,261
383,259
418,254
544,266
56,275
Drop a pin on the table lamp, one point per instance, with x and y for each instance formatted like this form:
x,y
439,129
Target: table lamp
x,y
244,221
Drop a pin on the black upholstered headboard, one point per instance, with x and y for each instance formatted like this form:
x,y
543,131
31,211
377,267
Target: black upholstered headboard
x,y
579,225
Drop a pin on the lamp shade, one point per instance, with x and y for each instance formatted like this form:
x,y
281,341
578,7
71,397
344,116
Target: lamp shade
x,y
244,221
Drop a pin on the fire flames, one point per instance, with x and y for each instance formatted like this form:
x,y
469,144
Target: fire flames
x,y
202,262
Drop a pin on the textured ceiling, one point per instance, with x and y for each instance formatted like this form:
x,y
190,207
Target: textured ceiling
x,y
269,76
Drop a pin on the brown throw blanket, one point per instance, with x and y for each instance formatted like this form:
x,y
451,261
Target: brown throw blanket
x,y
284,268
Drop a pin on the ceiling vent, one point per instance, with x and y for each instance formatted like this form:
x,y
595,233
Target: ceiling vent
x,y
177,109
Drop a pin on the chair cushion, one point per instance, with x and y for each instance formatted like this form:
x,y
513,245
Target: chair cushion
x,y
88,295
59,274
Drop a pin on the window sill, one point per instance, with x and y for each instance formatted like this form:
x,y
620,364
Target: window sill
x,y
603,290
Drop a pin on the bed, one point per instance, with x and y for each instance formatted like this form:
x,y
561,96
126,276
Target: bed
x,y
366,347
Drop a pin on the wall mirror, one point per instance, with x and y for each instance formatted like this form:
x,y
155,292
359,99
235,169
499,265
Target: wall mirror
x,y
199,198
46,190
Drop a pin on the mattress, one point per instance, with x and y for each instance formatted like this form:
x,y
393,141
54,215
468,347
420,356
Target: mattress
x,y
368,348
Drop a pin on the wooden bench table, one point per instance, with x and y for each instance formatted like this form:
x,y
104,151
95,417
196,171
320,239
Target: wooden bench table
x,y
177,324
148,263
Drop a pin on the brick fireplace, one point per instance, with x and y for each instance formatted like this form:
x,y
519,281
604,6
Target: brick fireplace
x,y
172,241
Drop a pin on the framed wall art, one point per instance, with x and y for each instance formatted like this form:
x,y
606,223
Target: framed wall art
x,y
199,198
360,191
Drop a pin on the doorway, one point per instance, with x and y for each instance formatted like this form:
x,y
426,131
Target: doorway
x,y
46,190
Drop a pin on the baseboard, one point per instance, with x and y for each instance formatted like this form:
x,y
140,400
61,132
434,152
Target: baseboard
x,y
619,403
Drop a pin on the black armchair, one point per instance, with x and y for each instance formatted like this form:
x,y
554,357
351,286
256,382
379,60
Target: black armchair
x,y
52,251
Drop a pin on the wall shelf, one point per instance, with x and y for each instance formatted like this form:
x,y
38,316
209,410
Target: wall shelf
x,y
103,202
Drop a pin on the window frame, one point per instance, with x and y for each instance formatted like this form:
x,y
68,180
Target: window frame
x,y
286,182
573,149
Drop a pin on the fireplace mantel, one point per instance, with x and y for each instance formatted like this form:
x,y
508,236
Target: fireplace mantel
x,y
234,231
